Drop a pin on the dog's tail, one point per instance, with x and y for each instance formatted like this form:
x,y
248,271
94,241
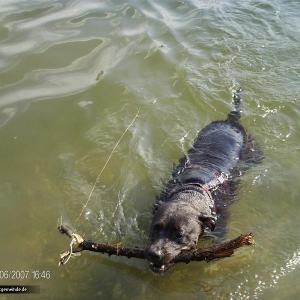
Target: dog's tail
x,y
235,114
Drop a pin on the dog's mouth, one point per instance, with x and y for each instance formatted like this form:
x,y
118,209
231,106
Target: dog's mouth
x,y
160,268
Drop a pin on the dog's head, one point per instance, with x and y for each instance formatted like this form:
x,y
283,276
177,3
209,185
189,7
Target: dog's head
x,y
176,226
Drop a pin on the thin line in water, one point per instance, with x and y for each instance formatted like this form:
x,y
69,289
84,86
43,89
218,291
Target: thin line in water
x,y
96,182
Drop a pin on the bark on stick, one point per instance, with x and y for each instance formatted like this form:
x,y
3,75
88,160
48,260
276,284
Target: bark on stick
x,y
214,252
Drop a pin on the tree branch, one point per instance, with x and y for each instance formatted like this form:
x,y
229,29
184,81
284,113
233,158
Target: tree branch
x,y
214,252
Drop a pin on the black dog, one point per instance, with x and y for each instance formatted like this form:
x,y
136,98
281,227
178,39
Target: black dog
x,y
188,204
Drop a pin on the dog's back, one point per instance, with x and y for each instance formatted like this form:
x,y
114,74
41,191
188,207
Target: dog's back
x,y
217,150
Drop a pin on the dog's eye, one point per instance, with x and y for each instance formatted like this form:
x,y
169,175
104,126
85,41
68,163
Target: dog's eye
x,y
179,234
157,227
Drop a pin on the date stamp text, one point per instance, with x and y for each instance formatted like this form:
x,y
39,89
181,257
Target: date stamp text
x,y
24,274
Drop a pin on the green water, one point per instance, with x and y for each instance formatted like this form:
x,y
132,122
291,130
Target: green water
x,y
73,75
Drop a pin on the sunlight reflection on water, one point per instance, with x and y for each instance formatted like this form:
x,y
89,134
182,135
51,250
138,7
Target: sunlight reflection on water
x,y
95,64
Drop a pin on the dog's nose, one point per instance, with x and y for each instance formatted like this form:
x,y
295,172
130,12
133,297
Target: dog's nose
x,y
154,254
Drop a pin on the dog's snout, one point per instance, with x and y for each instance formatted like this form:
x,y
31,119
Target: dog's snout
x,y
154,253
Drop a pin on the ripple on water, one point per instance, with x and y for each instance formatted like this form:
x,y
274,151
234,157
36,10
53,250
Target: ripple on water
x,y
97,63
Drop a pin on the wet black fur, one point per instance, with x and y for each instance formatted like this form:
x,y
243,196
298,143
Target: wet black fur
x,y
184,208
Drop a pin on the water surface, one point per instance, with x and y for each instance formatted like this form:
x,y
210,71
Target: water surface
x,y
73,75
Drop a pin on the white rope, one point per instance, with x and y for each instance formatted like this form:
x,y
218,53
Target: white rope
x,y
94,186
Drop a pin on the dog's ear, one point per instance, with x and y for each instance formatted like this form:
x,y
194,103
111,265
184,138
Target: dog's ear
x,y
208,221
156,205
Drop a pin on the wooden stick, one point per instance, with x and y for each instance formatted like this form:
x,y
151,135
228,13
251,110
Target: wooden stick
x,y
214,252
